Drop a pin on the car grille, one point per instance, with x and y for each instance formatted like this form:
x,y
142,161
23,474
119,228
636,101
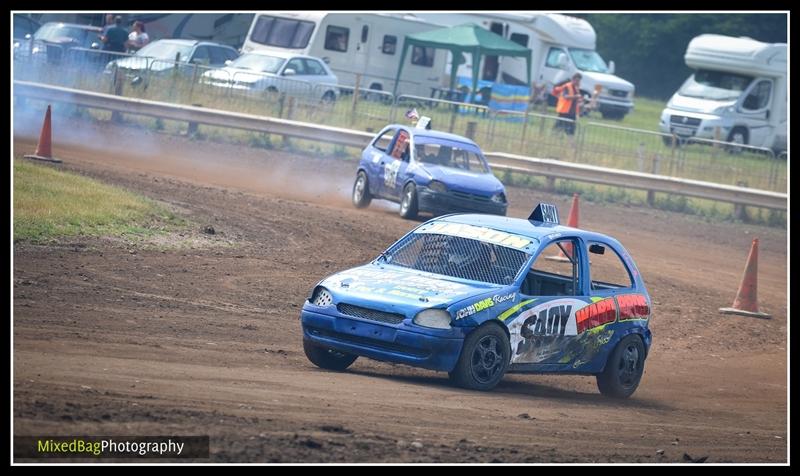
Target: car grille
x,y
470,196
618,93
684,121
365,341
370,314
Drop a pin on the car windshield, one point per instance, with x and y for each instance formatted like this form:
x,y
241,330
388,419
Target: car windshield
x,y
54,31
458,257
715,85
260,63
165,50
450,154
588,60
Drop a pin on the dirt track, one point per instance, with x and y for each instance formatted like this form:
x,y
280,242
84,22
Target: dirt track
x,y
116,339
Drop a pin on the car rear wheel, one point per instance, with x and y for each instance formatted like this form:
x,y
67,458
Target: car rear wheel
x,y
327,358
361,195
624,369
408,203
484,359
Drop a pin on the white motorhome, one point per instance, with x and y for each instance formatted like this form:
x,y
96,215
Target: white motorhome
x,y
366,44
561,46
738,88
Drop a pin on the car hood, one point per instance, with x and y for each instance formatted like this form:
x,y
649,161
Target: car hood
x,y
465,181
240,75
701,105
396,289
608,80
142,63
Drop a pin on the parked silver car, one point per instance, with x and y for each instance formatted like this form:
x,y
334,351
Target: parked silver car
x,y
278,72
173,55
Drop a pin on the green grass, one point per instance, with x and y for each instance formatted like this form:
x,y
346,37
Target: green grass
x,y
49,203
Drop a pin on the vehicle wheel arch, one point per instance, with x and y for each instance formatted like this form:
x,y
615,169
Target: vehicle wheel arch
x,y
622,336
744,129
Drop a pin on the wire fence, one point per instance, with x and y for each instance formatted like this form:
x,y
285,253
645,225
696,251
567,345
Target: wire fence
x,y
532,132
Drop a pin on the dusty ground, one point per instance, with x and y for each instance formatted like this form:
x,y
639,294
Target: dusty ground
x,y
199,334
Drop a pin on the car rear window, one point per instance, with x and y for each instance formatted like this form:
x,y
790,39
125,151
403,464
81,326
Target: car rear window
x,y
458,257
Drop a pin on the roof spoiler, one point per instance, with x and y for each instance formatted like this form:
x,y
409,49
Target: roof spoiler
x,y
545,213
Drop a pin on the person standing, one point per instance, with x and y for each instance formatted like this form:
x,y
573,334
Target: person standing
x,y
569,103
114,38
138,37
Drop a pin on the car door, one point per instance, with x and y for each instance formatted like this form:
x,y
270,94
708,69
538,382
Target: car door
x,y
375,156
292,78
754,112
553,291
394,165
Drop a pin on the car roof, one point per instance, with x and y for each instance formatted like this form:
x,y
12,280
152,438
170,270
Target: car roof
x,y
280,54
183,41
75,25
434,133
521,227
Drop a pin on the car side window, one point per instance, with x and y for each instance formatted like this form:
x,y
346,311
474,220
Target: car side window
x,y
383,141
556,271
400,146
313,67
552,57
201,55
758,97
297,65
606,269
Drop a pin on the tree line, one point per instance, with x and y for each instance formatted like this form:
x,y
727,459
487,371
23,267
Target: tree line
x,y
648,49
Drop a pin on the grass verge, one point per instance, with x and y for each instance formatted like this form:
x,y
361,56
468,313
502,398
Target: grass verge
x,y
50,203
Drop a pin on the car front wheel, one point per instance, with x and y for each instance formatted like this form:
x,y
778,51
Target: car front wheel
x,y
408,203
361,195
326,358
624,369
484,359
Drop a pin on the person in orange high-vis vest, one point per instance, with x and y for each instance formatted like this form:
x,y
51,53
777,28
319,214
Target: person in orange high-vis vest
x,y
569,103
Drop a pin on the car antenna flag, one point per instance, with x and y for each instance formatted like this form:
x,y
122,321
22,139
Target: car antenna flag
x,y
545,213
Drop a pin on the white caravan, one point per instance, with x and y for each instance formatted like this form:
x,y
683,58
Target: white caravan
x,y
738,86
561,46
366,44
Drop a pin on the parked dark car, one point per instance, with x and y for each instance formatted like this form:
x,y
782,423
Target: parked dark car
x,y
164,56
56,41
24,27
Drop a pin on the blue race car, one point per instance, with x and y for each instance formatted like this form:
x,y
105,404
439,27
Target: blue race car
x,y
478,296
427,171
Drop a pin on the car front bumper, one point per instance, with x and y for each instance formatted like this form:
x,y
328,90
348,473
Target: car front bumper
x,y
456,202
437,349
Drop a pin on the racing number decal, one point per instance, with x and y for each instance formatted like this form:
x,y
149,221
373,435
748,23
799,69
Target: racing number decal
x,y
390,174
536,333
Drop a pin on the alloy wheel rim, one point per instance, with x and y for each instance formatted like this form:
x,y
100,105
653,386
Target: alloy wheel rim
x,y
487,359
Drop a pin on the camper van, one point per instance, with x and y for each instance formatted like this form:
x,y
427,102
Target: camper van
x,y
561,46
368,44
737,93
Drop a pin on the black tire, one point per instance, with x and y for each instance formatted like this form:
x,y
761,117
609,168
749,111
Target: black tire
x,y
326,358
329,98
738,135
484,359
408,202
361,195
624,368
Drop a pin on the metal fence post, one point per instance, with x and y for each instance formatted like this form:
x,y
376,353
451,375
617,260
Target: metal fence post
x,y
524,128
116,117
739,210
651,195
355,100
471,126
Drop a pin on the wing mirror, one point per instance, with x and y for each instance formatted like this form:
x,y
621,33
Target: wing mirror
x,y
597,249
611,67
562,61
289,72
228,62
95,46
28,36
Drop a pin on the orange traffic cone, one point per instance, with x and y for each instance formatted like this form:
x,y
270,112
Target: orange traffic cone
x,y
572,221
43,150
746,302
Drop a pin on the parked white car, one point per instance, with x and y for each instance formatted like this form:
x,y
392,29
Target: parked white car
x,y
296,75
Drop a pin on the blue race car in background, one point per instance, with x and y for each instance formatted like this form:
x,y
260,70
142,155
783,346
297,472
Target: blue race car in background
x,y
427,171
478,296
